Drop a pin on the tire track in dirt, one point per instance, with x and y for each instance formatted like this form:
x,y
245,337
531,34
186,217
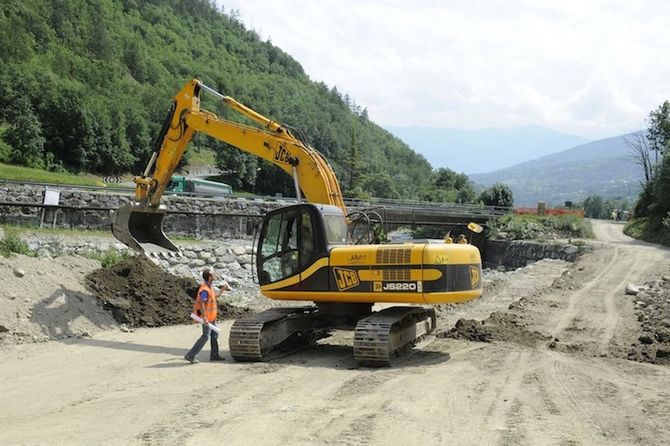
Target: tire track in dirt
x,y
592,309
498,415
569,313
638,265
594,398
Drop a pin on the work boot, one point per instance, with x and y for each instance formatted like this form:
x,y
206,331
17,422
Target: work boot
x,y
191,360
217,358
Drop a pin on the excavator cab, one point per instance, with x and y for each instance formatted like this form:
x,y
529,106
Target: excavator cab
x,y
295,237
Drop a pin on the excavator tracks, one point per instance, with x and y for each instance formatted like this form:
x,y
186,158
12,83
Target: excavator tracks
x,y
253,338
378,337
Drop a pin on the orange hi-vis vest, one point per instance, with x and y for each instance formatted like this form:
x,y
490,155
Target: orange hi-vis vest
x,y
206,307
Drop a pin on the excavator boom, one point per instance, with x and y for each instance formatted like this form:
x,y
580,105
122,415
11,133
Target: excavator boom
x,y
139,224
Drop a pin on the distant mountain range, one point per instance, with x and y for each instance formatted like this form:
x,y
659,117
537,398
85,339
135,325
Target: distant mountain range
x,y
602,167
484,150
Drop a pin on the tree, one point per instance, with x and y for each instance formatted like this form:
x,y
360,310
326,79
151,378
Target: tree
x,y
447,186
497,195
353,163
662,189
658,132
594,207
381,186
25,135
641,153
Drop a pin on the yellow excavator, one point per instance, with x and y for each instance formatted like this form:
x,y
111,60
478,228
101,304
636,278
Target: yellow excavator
x,y
304,251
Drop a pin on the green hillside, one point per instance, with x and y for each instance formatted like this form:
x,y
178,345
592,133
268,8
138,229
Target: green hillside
x,y
603,167
85,85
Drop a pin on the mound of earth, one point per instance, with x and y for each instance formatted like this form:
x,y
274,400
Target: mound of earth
x,y
652,308
499,326
141,294
45,299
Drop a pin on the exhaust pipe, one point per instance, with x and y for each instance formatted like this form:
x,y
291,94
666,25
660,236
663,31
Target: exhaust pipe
x,y
141,228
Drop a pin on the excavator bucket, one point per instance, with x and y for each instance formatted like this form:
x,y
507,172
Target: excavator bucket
x,y
141,228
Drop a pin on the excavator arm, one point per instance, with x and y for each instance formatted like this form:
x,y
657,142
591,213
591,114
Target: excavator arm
x,y
140,222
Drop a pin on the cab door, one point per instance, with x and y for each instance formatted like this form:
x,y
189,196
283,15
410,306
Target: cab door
x,y
278,254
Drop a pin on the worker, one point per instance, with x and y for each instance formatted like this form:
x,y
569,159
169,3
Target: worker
x,y
447,238
462,240
206,306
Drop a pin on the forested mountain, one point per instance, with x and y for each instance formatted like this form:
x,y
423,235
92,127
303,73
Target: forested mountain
x,y
85,85
484,150
604,167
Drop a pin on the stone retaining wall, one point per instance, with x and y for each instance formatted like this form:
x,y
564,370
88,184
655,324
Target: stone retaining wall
x,y
517,253
231,257
198,217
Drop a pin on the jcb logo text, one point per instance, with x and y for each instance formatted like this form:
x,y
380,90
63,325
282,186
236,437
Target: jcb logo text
x,y
345,278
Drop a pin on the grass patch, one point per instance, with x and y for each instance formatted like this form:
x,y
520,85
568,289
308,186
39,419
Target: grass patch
x,y
11,243
647,230
535,227
20,173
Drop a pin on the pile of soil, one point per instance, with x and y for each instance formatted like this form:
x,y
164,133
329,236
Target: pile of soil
x,y
43,299
499,326
141,294
652,307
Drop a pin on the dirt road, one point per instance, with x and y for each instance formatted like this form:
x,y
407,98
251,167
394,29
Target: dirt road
x,y
574,388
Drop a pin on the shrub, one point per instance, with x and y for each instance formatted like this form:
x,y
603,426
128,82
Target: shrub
x,y
12,243
107,258
526,227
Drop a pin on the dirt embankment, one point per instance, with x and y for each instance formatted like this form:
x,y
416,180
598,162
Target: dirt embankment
x,y
141,294
43,299
652,308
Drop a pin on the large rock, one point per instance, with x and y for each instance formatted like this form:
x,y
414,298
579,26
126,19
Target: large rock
x,y
239,250
571,250
632,289
190,254
233,266
183,270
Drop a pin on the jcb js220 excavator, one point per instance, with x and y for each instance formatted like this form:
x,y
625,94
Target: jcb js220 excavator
x,y
303,252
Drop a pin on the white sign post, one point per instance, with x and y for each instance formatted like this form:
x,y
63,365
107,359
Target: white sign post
x,y
51,198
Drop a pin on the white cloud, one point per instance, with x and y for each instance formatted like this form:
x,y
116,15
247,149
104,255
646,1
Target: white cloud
x,y
593,68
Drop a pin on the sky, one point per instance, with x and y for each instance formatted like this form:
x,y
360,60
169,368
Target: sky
x,y
589,68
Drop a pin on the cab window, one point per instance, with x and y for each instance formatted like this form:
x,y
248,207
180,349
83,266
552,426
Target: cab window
x,y
279,247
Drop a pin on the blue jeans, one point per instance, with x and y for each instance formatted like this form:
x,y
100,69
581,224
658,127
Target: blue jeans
x,y
202,340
